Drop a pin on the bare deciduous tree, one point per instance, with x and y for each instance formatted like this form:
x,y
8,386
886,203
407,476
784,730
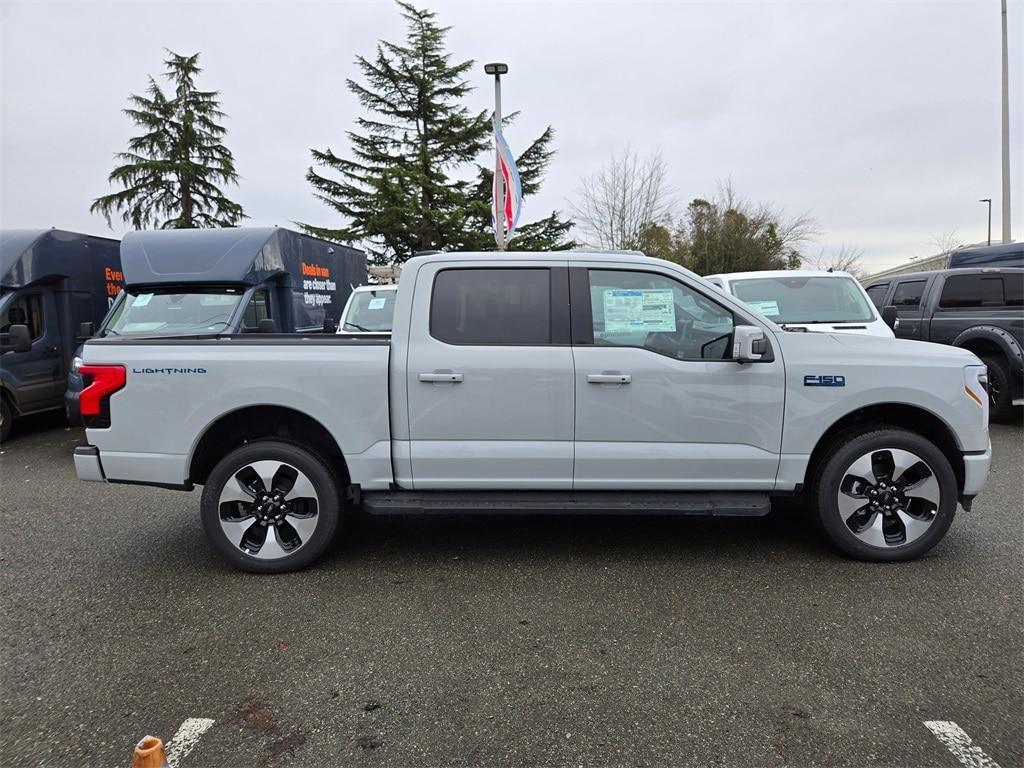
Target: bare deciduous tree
x,y
618,204
947,242
846,259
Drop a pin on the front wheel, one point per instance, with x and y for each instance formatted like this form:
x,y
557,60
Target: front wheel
x,y
885,495
1000,399
6,419
270,507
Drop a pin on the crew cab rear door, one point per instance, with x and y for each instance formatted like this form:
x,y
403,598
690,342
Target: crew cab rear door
x,y
489,377
660,404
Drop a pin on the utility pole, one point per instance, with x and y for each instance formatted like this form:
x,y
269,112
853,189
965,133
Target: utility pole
x,y
498,70
1006,134
989,201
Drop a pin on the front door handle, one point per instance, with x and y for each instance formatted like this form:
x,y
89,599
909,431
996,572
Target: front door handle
x,y
609,378
438,377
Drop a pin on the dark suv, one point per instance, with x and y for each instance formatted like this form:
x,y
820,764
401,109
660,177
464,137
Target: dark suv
x,y
978,309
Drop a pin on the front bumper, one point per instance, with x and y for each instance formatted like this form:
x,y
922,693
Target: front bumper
x,y
87,463
976,470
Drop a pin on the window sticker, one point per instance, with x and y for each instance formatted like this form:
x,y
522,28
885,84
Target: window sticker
x,y
376,303
142,299
766,308
639,310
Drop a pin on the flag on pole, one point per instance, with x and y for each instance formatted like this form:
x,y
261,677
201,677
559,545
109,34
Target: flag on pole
x,y
505,169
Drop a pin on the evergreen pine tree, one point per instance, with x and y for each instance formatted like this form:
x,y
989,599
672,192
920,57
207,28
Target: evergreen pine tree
x,y
402,190
171,173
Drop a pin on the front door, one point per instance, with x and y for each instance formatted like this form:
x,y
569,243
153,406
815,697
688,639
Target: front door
x,y
38,374
490,378
659,402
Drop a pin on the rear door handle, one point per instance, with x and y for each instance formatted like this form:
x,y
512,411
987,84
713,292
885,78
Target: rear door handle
x,y
609,378
441,378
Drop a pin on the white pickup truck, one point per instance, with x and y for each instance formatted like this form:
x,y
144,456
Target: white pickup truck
x,y
551,382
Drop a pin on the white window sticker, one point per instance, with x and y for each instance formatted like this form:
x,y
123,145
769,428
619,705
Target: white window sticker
x,y
639,310
142,299
376,303
766,308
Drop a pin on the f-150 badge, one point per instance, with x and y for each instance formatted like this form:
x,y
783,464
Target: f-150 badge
x,y
824,381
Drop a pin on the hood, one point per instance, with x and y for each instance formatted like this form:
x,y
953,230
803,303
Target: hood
x,y
874,349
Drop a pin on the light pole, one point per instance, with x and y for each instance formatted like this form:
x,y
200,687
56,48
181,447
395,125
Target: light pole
x,y
989,201
1006,134
498,69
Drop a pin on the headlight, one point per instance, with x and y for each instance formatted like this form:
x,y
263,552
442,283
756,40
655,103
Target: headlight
x,y
76,363
976,386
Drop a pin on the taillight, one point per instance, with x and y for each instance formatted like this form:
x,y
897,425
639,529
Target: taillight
x,y
101,382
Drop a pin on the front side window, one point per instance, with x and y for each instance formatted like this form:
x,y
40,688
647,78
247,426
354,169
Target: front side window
x,y
877,294
167,313
371,311
908,294
492,306
26,309
647,310
257,309
796,299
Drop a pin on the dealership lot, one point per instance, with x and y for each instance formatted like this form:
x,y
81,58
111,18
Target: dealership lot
x,y
483,641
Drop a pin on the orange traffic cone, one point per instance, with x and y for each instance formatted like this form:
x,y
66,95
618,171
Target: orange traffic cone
x,y
149,753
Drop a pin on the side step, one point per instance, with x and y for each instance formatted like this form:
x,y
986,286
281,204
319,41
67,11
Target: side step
x,y
566,503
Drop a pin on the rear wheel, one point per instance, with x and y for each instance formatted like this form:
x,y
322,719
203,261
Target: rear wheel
x,y
1000,402
885,495
270,507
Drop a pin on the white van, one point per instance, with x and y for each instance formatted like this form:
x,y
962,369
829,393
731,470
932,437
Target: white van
x,y
370,309
807,299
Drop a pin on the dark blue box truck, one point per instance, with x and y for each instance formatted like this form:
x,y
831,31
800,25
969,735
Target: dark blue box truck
x,y
202,282
55,286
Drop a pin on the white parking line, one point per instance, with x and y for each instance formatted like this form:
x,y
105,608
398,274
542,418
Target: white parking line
x,y
185,739
959,743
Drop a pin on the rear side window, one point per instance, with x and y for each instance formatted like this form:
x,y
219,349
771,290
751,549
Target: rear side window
x,y
877,294
909,293
492,306
982,291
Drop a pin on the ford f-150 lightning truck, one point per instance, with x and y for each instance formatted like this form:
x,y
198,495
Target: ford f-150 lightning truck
x,y
542,382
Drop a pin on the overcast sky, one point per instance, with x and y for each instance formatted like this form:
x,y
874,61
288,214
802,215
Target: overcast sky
x,y
880,120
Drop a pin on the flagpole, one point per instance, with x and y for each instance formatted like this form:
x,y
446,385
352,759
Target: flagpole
x,y
499,178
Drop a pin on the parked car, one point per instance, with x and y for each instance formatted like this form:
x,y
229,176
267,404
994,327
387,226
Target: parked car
x,y
370,309
981,310
524,382
55,287
237,280
806,300
1003,255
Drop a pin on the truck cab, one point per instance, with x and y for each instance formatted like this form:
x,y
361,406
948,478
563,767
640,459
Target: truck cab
x,y
54,285
980,309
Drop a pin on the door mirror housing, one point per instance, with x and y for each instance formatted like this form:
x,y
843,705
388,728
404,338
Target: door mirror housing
x,y
266,325
889,316
748,344
17,339
86,331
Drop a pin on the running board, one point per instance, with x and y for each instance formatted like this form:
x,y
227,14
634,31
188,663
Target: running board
x,y
566,503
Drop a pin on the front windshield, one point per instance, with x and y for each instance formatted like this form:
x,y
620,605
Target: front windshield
x,y
167,313
820,299
370,311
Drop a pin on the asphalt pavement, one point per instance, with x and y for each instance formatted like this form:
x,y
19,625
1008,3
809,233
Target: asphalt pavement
x,y
499,642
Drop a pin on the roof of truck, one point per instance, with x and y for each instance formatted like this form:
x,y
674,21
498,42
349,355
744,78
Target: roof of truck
x,y
781,273
28,255
230,255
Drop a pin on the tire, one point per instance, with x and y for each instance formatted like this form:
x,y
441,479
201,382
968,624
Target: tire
x,y
1000,398
874,499
6,419
271,507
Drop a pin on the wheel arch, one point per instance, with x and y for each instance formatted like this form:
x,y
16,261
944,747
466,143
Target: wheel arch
x,y
901,416
255,422
988,340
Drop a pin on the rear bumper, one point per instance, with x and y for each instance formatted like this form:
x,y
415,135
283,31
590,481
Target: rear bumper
x,y
87,463
976,471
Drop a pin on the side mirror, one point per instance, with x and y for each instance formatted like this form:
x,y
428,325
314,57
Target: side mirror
x,y
889,316
17,339
330,326
86,331
266,325
748,344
